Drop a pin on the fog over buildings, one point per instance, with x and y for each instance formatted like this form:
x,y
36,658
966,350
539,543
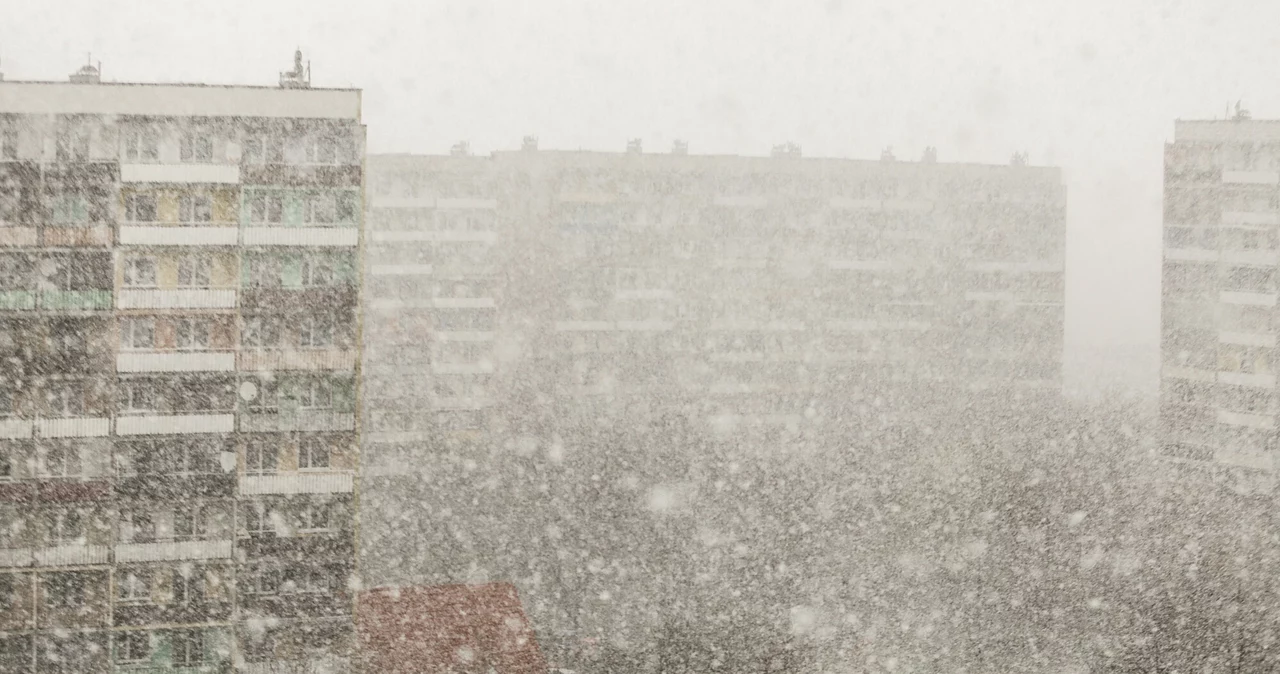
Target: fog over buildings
x,y
499,337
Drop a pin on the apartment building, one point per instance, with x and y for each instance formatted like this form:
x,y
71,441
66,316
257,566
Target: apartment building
x,y
768,293
179,324
1218,319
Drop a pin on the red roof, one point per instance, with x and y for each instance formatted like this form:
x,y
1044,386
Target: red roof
x,y
447,628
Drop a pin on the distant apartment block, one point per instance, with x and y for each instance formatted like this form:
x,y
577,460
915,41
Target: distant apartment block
x,y
179,305
767,299
1218,340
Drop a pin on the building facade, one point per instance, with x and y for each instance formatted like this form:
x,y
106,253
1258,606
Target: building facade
x,y
179,324
1218,318
531,311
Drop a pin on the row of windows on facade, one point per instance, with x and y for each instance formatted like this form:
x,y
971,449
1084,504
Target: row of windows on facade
x,y
1222,237
166,523
202,147
143,458
151,395
195,209
77,652
258,332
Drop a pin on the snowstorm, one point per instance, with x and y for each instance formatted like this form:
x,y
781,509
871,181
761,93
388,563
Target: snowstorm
x,y
558,337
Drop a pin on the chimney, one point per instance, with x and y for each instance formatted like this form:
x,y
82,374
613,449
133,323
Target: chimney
x,y
680,147
788,149
529,144
633,146
460,149
87,74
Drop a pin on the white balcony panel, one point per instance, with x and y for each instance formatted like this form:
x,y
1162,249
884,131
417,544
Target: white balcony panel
x,y
852,326
1190,254
644,294
1247,379
16,429
297,483
177,298
740,263
176,361
463,203
303,420
394,437
79,427
173,550
1260,421
1250,299
446,236
1256,459
10,557
463,302
1262,339
1264,258
305,359
1251,177
908,205
301,236
400,269
1189,373
72,555
860,265
1025,267
584,326
1249,218
222,174
463,403
175,423
133,235
587,197
742,201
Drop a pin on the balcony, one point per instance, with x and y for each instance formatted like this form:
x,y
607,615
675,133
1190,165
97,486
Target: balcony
x,y
1263,258
400,270
75,300
91,236
297,483
173,550
301,236
1247,298
1251,177
445,236
306,359
176,361
466,203
301,420
1190,255
16,429
175,423
462,302
1266,381
1265,340
71,555
19,236
173,235
860,265
333,297
178,298
1249,218
74,427
17,300
742,201
217,174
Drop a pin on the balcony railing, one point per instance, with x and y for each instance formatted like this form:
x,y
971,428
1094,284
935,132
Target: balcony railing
x,y
146,234
301,359
163,424
176,298
301,420
298,483
173,550
176,361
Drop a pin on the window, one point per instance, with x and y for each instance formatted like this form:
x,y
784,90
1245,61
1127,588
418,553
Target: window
x,y
141,145
188,648
253,150
9,142
322,149
185,585
72,145
315,331
264,272
65,399
266,208
194,271
315,394
195,208
138,333
132,647
66,527
347,207
320,209
304,580
261,332
317,271
195,146
65,590
266,581
262,456
139,396
315,517
6,461
192,334
140,272
259,519
140,208
313,454
190,521
134,585
70,208
137,526
16,271
60,461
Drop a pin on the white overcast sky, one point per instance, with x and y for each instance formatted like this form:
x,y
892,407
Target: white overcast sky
x,y
1090,85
